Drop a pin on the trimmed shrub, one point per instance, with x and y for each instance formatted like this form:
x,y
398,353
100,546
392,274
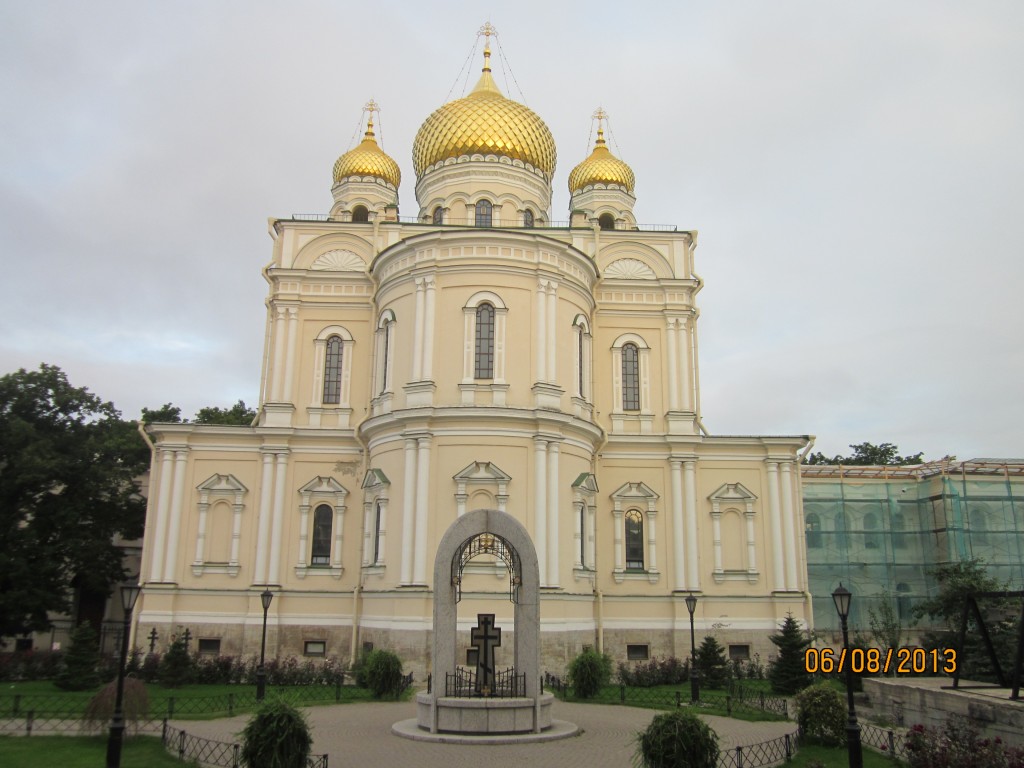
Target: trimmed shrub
x,y
383,673
134,704
589,672
677,739
78,672
712,664
277,736
176,665
822,714
645,674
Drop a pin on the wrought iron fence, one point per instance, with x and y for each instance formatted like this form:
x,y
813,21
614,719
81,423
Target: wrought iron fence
x,y
892,743
769,752
463,683
210,752
471,222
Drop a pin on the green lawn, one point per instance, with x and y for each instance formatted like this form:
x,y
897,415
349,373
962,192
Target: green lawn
x,y
82,752
836,757
713,702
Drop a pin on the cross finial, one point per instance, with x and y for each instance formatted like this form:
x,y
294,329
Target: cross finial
x,y
600,115
371,106
487,30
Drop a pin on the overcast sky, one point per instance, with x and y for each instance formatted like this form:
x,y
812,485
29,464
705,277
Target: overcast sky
x,y
855,172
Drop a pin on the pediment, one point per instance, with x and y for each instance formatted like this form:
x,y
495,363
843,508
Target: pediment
x,y
375,478
481,472
635,491
732,492
586,482
323,485
222,484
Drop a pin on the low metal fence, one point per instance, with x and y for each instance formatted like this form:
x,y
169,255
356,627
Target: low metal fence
x,y
210,752
886,740
463,682
769,752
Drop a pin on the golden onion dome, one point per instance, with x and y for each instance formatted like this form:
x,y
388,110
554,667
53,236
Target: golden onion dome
x,y
602,167
368,160
484,123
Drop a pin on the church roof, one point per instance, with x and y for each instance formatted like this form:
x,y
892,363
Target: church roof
x,y
602,167
368,159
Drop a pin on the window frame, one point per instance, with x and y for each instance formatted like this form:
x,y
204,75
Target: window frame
x,y
437,217
360,214
483,341
484,213
319,540
634,540
334,346
529,221
630,378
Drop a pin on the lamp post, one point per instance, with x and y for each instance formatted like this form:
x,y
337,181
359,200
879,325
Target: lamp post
x,y
691,604
841,597
129,594
261,672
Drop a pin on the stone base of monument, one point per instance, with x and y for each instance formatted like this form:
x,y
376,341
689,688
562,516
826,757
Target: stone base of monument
x,y
484,720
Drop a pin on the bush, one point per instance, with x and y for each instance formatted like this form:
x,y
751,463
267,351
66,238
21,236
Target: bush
x,y
677,739
588,672
821,714
712,664
176,665
78,672
383,673
789,672
277,736
958,745
134,704
668,671
30,665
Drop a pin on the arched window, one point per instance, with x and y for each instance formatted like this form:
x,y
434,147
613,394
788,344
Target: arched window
x,y
904,603
359,213
377,524
979,526
321,552
630,377
581,362
634,540
439,215
484,365
483,213
899,538
581,512
871,537
332,372
813,525
606,221
527,218
840,528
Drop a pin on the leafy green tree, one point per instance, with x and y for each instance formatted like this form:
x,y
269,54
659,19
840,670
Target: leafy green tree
x,y
711,662
822,714
383,673
78,672
68,465
176,665
885,624
165,414
589,671
788,673
237,415
868,454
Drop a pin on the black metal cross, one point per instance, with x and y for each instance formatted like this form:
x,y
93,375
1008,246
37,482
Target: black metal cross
x,y
152,639
485,637
188,637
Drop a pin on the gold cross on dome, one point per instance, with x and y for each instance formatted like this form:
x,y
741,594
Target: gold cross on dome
x,y
371,106
487,30
600,115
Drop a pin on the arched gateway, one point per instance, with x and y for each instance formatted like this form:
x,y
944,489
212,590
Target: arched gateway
x,y
481,702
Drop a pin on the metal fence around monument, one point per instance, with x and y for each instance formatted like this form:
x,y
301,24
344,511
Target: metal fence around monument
x,y
462,683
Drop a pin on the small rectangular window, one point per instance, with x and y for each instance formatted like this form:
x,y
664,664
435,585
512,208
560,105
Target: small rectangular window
x,y
315,648
739,652
638,652
209,646
367,647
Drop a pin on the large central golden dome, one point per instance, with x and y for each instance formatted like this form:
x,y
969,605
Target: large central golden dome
x,y
484,123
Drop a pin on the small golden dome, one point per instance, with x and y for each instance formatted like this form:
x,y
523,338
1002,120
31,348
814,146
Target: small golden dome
x,y
368,160
602,167
484,123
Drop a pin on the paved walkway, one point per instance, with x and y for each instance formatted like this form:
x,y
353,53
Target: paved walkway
x,y
357,735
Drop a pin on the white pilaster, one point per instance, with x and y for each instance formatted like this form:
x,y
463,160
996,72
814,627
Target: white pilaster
x,y
174,525
678,570
417,349
685,368
552,330
382,530
279,320
788,527
751,548
259,575
422,510
673,365
542,334
652,550
716,538
620,562
553,516
368,532
289,369
591,543
428,330
540,533
159,536
408,511
690,484
275,543
775,524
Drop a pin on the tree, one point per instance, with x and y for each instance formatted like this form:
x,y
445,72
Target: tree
x,y
868,454
78,672
589,671
68,465
711,662
788,673
176,665
165,414
885,624
238,415
277,736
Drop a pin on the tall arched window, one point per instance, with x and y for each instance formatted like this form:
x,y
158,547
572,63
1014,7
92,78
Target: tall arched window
x,y
630,377
634,540
606,221
904,603
813,526
321,552
484,365
359,213
378,513
439,215
899,539
581,512
979,526
871,537
840,529
483,213
527,218
332,372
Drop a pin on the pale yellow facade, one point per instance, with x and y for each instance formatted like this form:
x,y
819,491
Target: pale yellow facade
x,y
418,369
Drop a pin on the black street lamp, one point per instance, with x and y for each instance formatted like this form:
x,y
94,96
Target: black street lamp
x,y
129,595
841,597
691,604
261,672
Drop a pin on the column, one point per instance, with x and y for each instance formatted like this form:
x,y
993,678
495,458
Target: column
x,y
673,366
274,576
275,390
690,484
652,551
578,512
289,370
751,549
177,501
775,524
553,516
788,527
685,368
203,508
422,508
468,349
620,562
319,353
159,535
716,538
303,533
417,347
541,321
428,331
552,330
259,575
679,560
368,533
408,508
540,534
589,532
339,533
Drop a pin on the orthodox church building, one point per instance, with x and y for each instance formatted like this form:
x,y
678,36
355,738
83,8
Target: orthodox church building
x,y
475,356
